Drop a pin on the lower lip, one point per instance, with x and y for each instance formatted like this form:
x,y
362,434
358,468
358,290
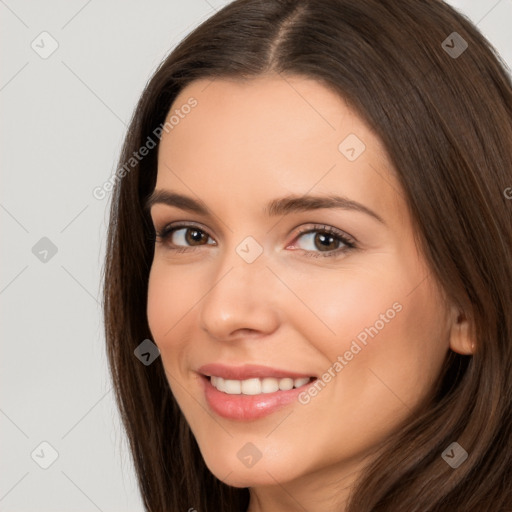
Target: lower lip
x,y
248,407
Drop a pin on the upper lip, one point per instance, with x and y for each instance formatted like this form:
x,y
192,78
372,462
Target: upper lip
x,y
247,371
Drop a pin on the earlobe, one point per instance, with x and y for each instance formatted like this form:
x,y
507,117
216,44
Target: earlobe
x,y
461,338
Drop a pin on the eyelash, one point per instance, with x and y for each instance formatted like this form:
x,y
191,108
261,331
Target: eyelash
x,y
348,242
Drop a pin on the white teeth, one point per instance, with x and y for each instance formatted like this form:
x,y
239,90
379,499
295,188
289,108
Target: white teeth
x,y
250,386
256,386
300,382
269,385
232,387
285,384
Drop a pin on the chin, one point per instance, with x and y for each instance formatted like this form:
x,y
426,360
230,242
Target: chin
x,y
249,478
233,472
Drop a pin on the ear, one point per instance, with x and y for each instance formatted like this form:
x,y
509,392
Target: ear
x,y
461,339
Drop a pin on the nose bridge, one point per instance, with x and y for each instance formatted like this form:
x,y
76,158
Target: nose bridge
x,y
241,294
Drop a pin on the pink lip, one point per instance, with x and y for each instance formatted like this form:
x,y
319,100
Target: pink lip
x,y
247,407
248,371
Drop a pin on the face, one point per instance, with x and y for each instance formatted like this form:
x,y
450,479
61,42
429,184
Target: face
x,y
290,261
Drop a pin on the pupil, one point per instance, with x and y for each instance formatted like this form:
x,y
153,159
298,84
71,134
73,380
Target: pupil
x,y
194,235
325,240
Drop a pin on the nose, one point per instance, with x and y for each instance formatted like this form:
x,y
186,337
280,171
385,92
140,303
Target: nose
x,y
242,299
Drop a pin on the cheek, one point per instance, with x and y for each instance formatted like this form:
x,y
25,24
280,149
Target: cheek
x,y
158,303
343,304
383,324
169,300
402,348
171,297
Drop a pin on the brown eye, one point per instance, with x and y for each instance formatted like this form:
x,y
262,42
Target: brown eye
x,y
194,236
184,236
324,241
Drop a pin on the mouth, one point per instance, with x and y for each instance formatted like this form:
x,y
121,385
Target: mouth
x,y
249,371
257,386
249,392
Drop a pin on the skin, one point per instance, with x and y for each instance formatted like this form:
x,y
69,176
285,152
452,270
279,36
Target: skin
x,y
244,144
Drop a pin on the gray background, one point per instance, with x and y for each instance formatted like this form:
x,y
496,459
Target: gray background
x,y
63,119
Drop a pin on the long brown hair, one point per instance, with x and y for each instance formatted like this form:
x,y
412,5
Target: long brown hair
x,y
444,114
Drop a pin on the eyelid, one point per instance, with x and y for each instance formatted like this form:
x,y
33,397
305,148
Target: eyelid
x,y
167,228
346,239
326,228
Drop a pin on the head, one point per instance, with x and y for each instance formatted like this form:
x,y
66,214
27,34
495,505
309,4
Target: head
x,y
394,298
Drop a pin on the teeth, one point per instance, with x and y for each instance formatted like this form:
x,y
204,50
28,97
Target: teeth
x,y
256,386
269,385
297,383
249,386
232,387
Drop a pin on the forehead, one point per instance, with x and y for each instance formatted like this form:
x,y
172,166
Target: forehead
x,y
286,134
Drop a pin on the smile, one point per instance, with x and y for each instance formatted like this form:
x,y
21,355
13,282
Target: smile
x,y
256,386
249,392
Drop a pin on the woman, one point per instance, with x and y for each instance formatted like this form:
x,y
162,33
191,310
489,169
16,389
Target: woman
x,y
315,231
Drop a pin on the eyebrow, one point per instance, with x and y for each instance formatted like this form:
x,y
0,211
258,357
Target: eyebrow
x,y
281,206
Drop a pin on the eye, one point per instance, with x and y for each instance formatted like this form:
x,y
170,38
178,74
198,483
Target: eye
x,y
184,236
324,241
316,240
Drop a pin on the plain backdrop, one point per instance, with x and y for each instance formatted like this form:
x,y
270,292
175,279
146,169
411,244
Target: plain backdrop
x,y
72,72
